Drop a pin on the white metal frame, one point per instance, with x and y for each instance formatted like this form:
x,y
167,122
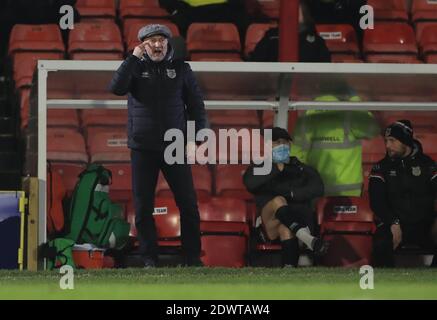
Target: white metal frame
x,y
281,107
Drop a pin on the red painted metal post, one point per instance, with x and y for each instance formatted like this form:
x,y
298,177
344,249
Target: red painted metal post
x,y
289,41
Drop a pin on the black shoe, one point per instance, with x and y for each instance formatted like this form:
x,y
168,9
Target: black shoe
x,y
320,247
149,262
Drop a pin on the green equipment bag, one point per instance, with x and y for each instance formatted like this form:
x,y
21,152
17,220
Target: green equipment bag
x,y
59,252
93,217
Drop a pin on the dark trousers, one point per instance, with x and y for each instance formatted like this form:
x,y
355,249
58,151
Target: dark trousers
x,y
146,165
417,235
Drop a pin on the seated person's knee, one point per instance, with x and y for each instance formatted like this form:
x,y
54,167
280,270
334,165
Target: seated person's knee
x,y
279,202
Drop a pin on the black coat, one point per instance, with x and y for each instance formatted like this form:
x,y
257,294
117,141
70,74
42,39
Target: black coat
x,y
161,96
297,182
404,188
312,47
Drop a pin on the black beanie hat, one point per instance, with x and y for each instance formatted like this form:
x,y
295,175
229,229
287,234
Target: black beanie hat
x,y
401,130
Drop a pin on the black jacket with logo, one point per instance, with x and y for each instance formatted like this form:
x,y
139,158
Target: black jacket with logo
x,y
297,183
161,96
404,188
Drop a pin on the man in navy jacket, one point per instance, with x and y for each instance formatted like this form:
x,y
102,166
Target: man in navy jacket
x,y
162,94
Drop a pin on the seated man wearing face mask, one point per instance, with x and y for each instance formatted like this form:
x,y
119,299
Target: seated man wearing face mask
x,y
283,199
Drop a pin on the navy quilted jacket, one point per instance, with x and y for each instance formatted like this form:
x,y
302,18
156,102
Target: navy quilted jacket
x,y
161,95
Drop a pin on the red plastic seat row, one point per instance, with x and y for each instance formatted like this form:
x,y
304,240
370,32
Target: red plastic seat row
x,y
428,43
389,9
223,229
25,63
107,145
64,144
395,41
95,40
424,10
213,42
35,38
141,9
202,180
347,224
101,9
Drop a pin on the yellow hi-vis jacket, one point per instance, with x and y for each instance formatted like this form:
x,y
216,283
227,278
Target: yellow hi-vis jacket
x,y
198,3
330,142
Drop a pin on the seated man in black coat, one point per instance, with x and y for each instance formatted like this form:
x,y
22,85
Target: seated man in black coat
x,y
283,199
402,191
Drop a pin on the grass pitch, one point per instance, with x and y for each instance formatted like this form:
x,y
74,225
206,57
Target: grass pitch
x,y
221,283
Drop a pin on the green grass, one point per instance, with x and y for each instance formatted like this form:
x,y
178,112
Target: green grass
x,y
221,283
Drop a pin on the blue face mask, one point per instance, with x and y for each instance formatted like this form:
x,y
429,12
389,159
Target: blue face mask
x,y
281,153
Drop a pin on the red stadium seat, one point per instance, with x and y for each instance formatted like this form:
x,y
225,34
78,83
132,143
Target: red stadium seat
x,y
121,176
347,224
65,144
339,38
25,64
69,173
141,9
133,28
100,9
331,210
424,10
219,41
229,181
422,26
228,215
224,228
373,150
390,39
104,117
254,33
389,9
202,183
167,221
97,39
107,145
120,190
43,37
232,118
62,118
428,41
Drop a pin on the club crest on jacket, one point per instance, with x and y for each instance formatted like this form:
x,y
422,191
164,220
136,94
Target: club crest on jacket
x,y
171,73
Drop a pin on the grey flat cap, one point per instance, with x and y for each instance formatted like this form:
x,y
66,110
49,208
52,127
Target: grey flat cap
x,y
153,30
